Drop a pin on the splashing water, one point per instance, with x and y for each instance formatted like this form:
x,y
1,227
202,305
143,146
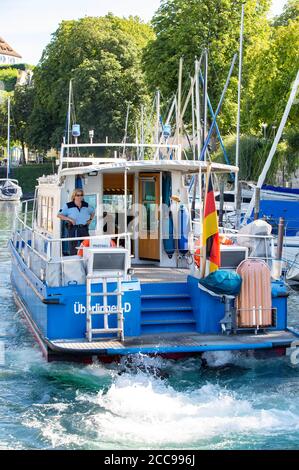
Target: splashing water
x,y
142,402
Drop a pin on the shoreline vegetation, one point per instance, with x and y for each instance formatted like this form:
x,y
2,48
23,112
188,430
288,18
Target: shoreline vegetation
x,y
118,63
27,175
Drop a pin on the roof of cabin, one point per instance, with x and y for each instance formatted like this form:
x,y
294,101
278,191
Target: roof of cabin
x,y
184,166
6,49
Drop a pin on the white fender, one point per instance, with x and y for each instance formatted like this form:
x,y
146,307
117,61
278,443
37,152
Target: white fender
x,y
294,357
293,352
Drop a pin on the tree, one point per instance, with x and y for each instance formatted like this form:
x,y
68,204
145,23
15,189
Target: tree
x,y
186,27
8,77
290,12
102,56
22,105
276,70
3,119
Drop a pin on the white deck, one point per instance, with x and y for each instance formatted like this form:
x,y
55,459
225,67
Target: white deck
x,y
148,273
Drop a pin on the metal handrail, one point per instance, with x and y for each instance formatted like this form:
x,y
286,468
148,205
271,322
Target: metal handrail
x,y
47,258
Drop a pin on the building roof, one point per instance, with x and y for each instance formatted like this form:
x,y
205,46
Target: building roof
x,y
5,49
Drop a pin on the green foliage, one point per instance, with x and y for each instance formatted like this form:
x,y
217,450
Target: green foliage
x,y
28,174
292,152
102,56
8,76
186,27
3,117
276,70
22,105
290,12
270,63
254,152
18,67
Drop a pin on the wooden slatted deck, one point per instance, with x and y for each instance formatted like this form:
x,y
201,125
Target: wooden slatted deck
x,y
176,343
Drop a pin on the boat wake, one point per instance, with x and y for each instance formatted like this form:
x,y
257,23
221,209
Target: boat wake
x,y
140,409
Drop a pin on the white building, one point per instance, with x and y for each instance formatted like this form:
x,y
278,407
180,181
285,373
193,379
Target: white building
x,y
7,55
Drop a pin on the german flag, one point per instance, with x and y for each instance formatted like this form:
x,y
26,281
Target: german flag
x,y
210,236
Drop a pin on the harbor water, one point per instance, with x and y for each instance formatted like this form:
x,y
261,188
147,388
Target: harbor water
x,y
231,402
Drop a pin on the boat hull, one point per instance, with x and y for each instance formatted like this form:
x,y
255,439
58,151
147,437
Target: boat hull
x,y
10,191
39,306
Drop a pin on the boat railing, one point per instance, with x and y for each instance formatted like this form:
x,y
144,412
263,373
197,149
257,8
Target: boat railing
x,y
46,256
258,246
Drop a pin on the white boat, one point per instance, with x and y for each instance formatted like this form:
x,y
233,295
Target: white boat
x,y
293,271
141,293
10,190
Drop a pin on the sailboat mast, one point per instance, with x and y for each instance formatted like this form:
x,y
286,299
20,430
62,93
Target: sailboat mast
x,y
8,138
179,102
205,101
142,134
157,117
239,102
193,121
157,130
197,107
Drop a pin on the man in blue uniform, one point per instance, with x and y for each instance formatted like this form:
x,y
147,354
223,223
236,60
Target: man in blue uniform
x,y
78,215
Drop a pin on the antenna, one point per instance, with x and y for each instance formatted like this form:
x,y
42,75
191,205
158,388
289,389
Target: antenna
x,y
91,135
126,129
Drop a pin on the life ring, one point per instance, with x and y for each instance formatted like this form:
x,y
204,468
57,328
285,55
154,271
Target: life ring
x,y
86,244
225,240
197,254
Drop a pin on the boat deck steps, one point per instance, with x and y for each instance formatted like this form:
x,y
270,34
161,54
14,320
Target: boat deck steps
x,y
164,296
167,309
168,321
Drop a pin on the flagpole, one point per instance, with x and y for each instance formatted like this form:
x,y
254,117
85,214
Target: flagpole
x,y
203,247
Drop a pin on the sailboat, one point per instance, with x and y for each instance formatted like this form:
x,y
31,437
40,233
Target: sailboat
x,y
9,188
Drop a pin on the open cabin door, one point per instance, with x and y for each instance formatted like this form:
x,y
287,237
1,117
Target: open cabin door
x,y
149,216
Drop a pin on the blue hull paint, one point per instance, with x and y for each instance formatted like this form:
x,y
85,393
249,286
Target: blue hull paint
x,y
274,209
58,313
191,349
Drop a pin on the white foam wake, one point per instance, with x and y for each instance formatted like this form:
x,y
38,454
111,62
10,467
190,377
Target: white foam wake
x,y
139,409
147,412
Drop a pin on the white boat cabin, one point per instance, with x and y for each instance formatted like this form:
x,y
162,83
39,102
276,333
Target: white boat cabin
x,y
142,220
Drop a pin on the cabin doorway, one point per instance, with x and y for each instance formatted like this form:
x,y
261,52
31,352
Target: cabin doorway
x,y
149,216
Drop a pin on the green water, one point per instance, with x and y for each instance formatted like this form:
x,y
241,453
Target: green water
x,y
143,402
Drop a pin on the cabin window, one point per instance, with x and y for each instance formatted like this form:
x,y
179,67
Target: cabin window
x,y
45,213
149,217
50,214
113,212
91,200
116,203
